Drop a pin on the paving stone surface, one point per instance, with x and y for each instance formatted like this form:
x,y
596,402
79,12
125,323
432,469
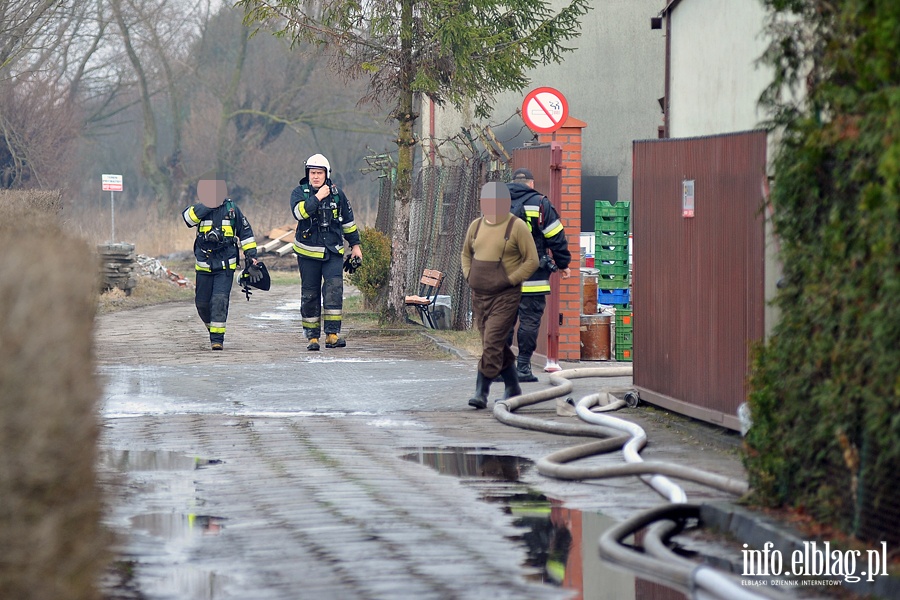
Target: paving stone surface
x,y
266,471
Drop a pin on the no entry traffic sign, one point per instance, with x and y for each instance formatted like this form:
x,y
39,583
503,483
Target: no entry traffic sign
x,y
545,110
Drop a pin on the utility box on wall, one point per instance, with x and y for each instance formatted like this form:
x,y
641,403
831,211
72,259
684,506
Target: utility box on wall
x,y
699,264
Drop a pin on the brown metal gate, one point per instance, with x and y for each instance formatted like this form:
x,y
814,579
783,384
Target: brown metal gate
x,y
699,266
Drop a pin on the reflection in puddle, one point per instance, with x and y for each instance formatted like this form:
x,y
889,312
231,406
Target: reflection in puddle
x,y
172,526
187,582
129,461
561,543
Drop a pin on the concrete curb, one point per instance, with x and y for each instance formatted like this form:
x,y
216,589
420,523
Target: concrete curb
x,y
756,530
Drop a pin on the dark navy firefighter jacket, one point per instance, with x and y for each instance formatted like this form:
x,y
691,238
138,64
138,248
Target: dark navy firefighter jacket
x,y
229,226
322,226
546,229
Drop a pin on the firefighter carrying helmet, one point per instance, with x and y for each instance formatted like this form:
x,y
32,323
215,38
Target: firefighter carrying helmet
x,y
317,161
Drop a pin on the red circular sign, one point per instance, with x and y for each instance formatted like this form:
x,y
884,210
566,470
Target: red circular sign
x,y
545,110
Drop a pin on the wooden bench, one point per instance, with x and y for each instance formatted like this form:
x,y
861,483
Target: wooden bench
x,y
429,286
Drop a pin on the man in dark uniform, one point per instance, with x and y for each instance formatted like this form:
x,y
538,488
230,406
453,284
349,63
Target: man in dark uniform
x,y
548,233
221,230
324,221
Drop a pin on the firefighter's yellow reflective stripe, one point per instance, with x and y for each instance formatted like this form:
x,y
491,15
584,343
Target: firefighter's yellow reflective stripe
x,y
349,227
202,267
300,211
228,230
248,243
217,327
310,324
190,217
538,285
232,263
552,229
332,314
310,251
532,211
332,317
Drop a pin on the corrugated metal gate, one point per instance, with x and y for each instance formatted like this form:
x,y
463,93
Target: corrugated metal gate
x,y
699,268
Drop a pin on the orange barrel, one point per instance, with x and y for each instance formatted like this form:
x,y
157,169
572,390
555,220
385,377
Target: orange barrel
x,y
588,294
595,337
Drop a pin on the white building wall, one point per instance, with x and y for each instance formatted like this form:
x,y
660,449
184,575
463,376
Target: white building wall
x,y
612,82
715,81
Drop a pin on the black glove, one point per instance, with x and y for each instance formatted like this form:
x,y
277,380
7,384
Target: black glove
x,y
352,263
254,273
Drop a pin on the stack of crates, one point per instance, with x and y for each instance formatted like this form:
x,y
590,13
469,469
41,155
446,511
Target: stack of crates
x,y
611,227
624,335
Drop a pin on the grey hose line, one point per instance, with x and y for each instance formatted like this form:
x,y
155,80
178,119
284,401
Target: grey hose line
x,y
662,566
631,450
707,581
700,581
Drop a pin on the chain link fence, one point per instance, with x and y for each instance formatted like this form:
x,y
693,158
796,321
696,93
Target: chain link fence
x,y
446,199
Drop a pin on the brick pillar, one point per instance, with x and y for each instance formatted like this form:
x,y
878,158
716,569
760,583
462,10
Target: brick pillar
x,y
569,136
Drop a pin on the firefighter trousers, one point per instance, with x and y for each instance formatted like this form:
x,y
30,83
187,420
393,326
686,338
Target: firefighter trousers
x,y
321,294
213,291
531,309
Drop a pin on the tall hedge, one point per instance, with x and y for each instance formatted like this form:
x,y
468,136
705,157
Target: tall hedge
x,y
825,388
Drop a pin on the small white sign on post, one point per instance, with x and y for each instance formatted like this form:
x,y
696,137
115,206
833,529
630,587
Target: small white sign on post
x,y
111,184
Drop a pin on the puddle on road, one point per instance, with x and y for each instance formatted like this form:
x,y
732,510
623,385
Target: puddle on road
x,y
174,526
129,461
561,543
174,536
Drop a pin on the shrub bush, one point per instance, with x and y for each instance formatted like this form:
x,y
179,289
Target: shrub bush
x,y
825,391
372,277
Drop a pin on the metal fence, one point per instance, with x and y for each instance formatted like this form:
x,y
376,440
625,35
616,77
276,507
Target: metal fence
x,y
445,201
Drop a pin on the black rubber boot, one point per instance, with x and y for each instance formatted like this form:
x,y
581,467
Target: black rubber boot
x,y
482,388
511,379
523,368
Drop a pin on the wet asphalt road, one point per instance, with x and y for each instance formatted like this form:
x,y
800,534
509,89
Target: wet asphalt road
x,y
266,471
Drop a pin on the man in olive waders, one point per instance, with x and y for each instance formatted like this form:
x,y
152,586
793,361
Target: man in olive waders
x,y
497,256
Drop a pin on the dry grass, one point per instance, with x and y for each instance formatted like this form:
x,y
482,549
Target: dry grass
x,y
158,235
147,293
470,340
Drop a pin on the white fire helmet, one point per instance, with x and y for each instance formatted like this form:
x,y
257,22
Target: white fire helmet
x,y
320,162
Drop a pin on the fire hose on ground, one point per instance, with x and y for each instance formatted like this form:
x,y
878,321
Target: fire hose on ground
x,y
658,563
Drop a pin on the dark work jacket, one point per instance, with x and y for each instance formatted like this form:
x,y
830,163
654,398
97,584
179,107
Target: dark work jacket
x,y
236,232
322,226
546,229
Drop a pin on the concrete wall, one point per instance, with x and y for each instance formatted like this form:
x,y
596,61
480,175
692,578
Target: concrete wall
x,y
715,82
612,82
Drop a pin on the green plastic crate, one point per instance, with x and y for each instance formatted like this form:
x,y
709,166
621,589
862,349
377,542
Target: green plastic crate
x,y
624,319
618,268
624,338
608,209
605,226
613,282
617,253
612,239
624,354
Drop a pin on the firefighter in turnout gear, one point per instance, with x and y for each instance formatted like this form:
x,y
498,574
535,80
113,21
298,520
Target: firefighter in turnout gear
x,y
222,232
548,233
324,221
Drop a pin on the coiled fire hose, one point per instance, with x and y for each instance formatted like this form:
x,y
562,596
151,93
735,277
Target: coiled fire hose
x,y
657,563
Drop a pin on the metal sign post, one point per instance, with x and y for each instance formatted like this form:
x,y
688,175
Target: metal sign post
x,y
112,184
